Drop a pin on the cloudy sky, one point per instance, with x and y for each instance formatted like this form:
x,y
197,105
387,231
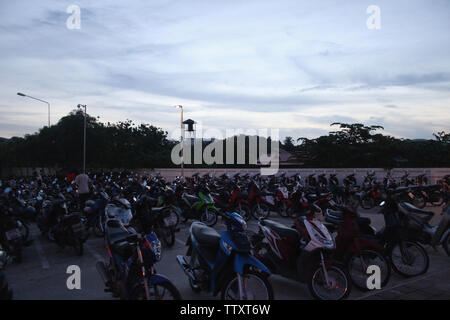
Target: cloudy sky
x,y
288,64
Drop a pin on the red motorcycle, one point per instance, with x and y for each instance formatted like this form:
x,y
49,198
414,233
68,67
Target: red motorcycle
x,y
232,202
260,203
354,248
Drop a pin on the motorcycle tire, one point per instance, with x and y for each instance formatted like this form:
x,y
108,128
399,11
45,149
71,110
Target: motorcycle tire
x,y
139,293
209,217
5,291
167,236
315,277
398,268
263,212
361,284
262,278
446,244
367,203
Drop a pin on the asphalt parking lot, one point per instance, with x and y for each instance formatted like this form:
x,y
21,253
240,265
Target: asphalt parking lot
x,y
42,274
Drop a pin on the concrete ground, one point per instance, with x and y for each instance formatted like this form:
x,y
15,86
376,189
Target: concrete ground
x,y
42,274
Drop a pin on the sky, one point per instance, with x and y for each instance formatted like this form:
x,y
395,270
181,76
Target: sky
x,y
291,65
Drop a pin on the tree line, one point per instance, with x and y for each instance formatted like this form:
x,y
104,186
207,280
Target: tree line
x,y
127,145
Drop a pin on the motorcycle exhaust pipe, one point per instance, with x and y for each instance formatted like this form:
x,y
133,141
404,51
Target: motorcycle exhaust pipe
x,y
185,266
101,268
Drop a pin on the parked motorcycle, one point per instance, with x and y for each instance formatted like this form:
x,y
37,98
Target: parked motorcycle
x,y
130,272
303,254
223,263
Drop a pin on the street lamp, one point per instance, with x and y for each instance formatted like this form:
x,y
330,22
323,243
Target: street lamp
x,y
181,133
48,104
79,106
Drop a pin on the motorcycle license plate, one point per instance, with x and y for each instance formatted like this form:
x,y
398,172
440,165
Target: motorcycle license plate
x,y
13,234
270,200
78,227
168,222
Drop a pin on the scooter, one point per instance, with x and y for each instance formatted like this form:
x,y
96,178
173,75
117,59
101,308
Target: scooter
x,y
303,254
425,233
224,263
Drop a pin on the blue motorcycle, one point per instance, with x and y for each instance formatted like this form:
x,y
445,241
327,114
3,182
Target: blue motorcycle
x,y
223,263
130,274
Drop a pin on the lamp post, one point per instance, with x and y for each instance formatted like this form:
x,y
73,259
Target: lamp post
x,y
84,142
182,144
48,104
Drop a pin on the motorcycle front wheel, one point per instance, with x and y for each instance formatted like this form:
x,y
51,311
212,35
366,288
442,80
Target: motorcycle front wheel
x,y
409,258
261,210
337,287
255,287
166,235
357,268
209,217
160,291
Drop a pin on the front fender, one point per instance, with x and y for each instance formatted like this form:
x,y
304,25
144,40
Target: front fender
x,y
243,259
157,278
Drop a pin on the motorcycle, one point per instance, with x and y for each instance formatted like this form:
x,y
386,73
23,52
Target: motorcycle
x,y
355,250
420,229
224,263
130,273
407,257
303,253
161,220
199,207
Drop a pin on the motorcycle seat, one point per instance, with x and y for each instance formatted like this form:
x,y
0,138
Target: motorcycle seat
x,y
425,215
115,232
123,248
281,229
205,235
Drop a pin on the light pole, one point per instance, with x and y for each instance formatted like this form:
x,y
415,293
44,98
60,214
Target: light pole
x,y
48,104
84,142
182,144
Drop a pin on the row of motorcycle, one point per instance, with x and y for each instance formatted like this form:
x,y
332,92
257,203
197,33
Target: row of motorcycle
x,y
328,246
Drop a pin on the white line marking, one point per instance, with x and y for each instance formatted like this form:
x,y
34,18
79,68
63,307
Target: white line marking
x,y
93,252
399,285
41,254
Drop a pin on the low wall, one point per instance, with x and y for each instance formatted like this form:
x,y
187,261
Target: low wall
x,y
433,174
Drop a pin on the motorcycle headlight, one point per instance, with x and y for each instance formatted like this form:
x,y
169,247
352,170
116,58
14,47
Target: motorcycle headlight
x,y
327,243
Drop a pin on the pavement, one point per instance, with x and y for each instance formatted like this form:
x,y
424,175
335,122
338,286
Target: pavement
x,y
43,273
